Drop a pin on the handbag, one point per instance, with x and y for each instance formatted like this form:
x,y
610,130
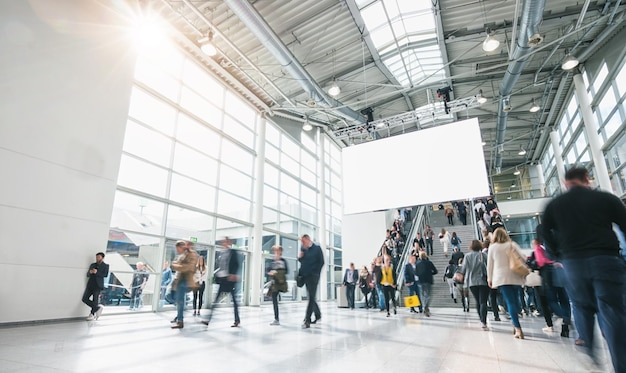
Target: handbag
x,y
458,278
517,264
299,280
412,301
533,279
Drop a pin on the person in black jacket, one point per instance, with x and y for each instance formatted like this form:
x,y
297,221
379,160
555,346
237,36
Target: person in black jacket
x,y
227,277
350,280
578,227
96,274
425,269
311,261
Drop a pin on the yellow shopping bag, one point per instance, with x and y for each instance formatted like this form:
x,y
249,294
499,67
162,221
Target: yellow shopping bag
x,y
412,301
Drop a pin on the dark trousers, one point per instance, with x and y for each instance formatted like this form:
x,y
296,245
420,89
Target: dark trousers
x,y
390,295
545,307
429,246
311,283
226,287
198,294
451,219
481,293
367,305
597,286
555,293
93,293
275,304
350,295
463,218
493,299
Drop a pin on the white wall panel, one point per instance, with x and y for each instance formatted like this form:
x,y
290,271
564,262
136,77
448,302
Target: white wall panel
x,y
66,73
362,237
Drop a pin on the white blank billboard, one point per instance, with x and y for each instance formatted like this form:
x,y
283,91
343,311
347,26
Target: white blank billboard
x,y
443,163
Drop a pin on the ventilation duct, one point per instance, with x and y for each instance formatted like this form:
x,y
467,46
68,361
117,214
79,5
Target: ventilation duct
x,y
532,14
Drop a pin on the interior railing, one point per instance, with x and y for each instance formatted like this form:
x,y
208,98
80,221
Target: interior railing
x,y
419,223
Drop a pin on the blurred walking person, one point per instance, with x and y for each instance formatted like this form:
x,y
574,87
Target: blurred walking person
x,y
311,260
185,266
425,269
199,278
278,273
578,228
227,277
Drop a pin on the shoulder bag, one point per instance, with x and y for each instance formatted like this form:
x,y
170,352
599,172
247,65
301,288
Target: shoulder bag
x,y
517,264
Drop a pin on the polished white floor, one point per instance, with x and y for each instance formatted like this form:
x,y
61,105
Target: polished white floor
x,y
345,340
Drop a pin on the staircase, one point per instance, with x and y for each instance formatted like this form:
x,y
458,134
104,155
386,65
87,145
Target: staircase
x,y
440,294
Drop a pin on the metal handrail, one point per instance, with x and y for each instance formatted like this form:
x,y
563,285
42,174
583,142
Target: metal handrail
x,y
416,227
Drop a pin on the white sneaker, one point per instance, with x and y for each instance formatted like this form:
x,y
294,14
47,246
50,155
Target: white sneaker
x,y
99,311
275,322
548,329
90,317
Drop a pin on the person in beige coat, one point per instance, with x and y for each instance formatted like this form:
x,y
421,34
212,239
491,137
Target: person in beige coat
x,y
185,267
499,275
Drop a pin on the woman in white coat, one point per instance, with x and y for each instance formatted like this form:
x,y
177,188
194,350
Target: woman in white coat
x,y
444,238
499,275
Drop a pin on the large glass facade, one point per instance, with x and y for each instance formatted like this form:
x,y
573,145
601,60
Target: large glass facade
x,y
187,172
606,88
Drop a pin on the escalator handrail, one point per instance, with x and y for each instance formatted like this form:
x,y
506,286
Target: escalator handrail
x,y
417,221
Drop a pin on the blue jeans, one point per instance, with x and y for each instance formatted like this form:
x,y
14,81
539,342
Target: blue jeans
x,y
181,299
597,285
511,294
415,290
381,296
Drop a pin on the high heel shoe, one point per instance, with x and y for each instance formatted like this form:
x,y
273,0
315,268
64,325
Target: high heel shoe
x,y
519,334
236,324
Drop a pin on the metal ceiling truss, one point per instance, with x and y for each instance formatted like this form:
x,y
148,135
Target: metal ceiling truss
x,y
430,113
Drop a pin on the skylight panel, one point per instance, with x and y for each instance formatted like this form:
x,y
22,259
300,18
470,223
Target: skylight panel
x,y
416,49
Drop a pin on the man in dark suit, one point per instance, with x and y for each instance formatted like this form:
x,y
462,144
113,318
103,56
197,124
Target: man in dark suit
x,y
227,277
311,260
96,274
350,279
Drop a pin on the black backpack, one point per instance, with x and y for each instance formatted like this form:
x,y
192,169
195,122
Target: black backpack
x,y
450,270
454,241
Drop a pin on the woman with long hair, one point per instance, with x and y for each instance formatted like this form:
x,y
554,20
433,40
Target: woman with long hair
x,y
444,239
388,282
199,278
365,280
500,275
278,273
474,269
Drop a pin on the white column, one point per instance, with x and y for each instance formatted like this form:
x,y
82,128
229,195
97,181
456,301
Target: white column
x,y
541,180
591,128
321,216
558,157
256,261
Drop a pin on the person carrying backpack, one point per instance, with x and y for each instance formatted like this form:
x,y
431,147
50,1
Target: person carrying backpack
x,y
447,277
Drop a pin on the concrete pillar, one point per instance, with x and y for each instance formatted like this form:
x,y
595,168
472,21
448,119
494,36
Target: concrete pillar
x,y
558,157
591,128
256,261
321,208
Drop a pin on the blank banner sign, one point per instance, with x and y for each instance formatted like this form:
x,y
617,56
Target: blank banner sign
x,y
444,163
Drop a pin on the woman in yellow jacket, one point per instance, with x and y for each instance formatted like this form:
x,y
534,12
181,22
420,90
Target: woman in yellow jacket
x,y
388,282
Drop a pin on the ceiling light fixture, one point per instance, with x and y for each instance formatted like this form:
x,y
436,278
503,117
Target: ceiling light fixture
x,y
534,107
484,143
522,151
334,89
480,98
517,171
570,61
307,126
490,44
206,45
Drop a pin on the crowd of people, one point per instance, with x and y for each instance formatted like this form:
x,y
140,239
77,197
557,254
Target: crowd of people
x,y
575,267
